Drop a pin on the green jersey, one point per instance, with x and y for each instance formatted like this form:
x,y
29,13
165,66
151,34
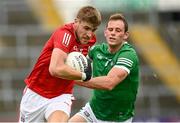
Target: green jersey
x,y
117,104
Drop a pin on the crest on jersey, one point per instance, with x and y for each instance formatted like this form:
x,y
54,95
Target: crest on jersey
x,y
99,56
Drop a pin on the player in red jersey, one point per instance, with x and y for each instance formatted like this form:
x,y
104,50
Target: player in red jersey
x,y
48,94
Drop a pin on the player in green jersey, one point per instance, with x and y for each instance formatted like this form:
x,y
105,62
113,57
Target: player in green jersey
x,y
115,77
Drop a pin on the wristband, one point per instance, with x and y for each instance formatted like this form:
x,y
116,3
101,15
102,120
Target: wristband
x,y
83,76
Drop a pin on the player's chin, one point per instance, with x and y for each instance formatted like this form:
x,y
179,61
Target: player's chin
x,y
84,41
111,43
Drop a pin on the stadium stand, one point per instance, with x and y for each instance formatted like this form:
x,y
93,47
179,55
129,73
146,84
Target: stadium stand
x,y
21,41
46,12
158,55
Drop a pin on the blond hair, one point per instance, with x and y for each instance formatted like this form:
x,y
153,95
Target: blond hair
x,y
89,14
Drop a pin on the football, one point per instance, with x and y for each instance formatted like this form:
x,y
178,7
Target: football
x,y
77,61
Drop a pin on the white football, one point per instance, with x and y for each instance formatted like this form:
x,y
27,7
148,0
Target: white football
x,y
77,61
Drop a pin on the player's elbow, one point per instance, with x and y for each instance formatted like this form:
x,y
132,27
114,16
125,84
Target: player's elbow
x,y
109,87
52,72
55,72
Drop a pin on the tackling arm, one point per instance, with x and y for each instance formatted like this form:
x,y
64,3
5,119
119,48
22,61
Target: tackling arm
x,y
114,77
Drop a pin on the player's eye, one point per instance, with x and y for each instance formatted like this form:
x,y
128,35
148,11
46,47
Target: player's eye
x,y
110,29
118,30
86,28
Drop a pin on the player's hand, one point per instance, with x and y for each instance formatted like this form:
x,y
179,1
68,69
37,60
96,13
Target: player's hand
x,y
88,70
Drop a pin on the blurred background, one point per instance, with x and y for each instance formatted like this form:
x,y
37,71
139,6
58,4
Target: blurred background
x,y
25,26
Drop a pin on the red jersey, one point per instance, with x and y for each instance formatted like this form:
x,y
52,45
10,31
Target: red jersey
x,y
40,80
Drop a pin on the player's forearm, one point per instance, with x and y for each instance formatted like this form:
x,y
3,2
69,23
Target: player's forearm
x,y
65,72
102,82
88,85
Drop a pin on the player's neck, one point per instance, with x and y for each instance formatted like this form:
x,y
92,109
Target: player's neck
x,y
114,49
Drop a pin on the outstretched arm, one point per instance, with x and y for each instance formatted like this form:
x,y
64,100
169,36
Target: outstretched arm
x,y
114,77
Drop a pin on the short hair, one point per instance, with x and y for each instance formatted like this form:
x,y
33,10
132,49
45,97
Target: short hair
x,y
89,14
119,16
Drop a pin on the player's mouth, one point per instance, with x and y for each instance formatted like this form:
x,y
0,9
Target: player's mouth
x,y
85,38
112,39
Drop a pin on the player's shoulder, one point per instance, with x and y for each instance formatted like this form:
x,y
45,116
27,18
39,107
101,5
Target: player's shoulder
x,y
128,51
102,45
67,28
64,32
99,46
128,47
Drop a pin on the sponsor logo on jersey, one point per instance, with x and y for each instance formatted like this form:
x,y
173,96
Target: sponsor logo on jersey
x,y
75,48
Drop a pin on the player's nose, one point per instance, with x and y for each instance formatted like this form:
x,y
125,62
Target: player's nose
x,y
89,33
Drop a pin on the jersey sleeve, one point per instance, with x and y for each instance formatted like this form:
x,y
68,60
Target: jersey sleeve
x,y
126,60
62,39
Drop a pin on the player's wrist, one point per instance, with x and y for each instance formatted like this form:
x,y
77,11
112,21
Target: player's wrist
x,y
83,77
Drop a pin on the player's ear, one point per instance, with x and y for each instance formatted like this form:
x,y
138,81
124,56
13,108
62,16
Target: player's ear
x,y
105,32
126,35
75,20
